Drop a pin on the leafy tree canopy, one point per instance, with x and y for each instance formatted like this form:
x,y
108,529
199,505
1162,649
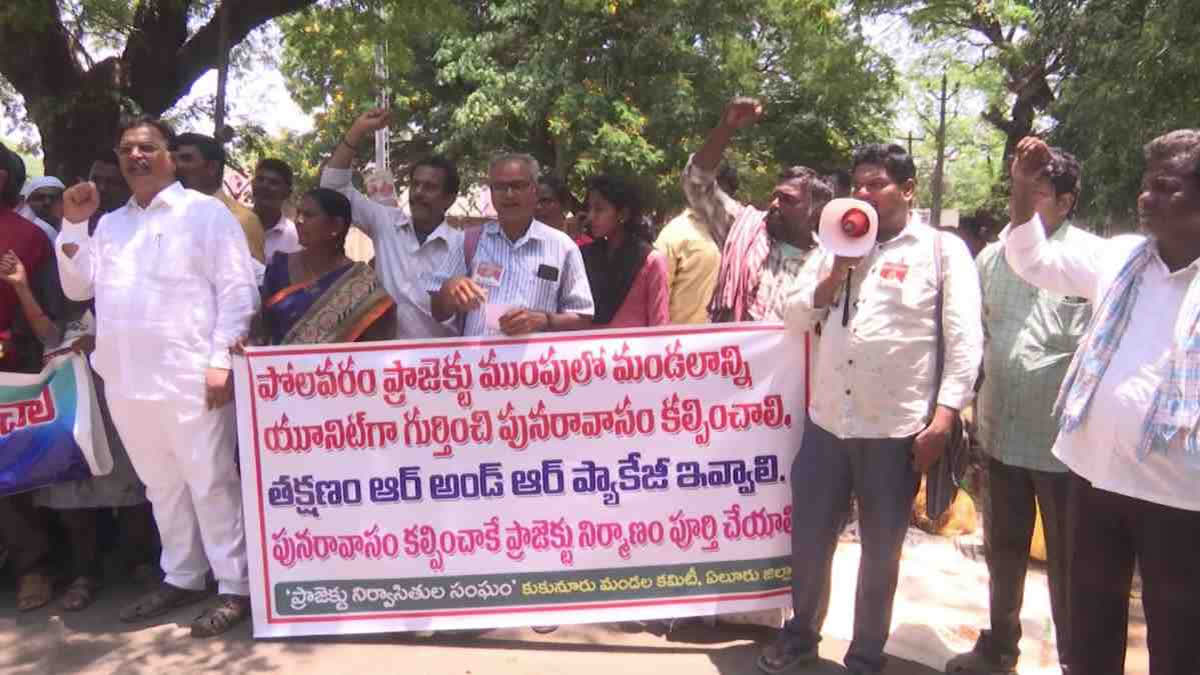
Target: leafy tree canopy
x,y
596,85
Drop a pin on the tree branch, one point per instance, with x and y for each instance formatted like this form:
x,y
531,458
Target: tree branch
x,y
36,57
159,82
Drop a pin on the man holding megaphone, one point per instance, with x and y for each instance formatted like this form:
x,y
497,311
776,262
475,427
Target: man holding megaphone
x,y
896,308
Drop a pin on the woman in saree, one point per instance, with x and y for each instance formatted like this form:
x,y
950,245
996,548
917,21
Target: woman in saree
x,y
628,277
318,295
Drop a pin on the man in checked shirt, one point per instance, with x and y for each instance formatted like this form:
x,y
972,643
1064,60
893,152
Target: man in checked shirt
x,y
1030,336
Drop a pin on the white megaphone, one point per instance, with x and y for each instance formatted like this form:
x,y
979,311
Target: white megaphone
x,y
848,227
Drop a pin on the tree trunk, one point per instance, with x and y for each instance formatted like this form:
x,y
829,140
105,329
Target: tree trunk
x,y
77,130
77,109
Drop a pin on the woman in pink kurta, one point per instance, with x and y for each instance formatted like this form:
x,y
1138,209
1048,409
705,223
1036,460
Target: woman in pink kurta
x,y
628,277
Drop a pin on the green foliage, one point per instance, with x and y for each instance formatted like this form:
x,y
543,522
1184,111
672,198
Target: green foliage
x,y
628,86
252,143
1133,79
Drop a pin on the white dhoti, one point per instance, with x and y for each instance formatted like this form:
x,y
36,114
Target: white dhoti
x,y
185,456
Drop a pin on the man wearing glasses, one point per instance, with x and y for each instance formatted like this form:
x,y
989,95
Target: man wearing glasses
x,y
515,275
174,286
409,244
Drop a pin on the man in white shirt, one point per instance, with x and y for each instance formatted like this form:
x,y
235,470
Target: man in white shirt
x,y
1129,408
174,287
409,244
879,416
271,187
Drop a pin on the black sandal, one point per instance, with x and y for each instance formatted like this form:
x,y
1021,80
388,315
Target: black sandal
x,y
784,654
229,611
160,601
80,594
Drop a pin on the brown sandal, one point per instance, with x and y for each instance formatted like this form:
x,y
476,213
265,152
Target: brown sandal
x,y
33,591
80,594
229,611
160,601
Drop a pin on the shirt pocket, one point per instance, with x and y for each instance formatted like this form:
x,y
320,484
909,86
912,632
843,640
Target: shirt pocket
x,y
1067,320
176,258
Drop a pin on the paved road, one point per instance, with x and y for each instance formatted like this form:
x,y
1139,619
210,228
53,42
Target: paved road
x,y
51,641
940,606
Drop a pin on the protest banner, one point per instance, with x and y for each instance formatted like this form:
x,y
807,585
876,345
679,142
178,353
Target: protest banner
x,y
559,478
50,428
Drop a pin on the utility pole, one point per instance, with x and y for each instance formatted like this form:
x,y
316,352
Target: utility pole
x,y
383,101
939,168
222,71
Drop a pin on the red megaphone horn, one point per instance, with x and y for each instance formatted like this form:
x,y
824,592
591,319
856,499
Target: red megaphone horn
x,y
855,223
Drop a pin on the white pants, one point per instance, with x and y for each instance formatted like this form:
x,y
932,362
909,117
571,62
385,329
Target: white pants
x,y
185,456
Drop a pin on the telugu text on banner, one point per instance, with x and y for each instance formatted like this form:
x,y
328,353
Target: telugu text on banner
x,y
598,476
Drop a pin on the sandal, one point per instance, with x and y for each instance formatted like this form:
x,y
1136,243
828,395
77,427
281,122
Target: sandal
x,y
160,601
80,594
784,654
977,662
229,611
33,591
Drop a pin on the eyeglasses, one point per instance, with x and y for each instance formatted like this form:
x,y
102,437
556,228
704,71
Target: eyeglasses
x,y
127,150
515,186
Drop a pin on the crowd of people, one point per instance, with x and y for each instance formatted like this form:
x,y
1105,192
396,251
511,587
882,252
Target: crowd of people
x,y
1079,354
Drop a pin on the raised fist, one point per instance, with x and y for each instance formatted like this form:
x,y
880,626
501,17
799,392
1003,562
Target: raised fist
x,y
80,201
742,112
1031,160
369,122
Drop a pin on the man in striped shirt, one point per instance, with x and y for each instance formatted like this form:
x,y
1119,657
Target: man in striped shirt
x,y
516,275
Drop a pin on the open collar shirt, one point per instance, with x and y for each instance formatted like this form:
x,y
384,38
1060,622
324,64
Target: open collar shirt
x,y
282,238
875,376
174,287
402,262
1103,448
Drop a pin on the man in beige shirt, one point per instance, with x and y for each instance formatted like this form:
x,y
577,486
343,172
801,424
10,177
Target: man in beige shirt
x,y
200,166
693,258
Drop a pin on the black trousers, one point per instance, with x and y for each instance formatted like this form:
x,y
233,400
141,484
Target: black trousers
x,y
1111,533
1010,515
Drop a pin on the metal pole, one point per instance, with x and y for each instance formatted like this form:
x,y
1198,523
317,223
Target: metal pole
x,y
381,136
939,167
222,71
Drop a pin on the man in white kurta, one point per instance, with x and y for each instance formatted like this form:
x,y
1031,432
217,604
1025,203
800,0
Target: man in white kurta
x,y
1129,408
174,287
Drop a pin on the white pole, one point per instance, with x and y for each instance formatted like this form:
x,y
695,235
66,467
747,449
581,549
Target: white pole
x,y
381,136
